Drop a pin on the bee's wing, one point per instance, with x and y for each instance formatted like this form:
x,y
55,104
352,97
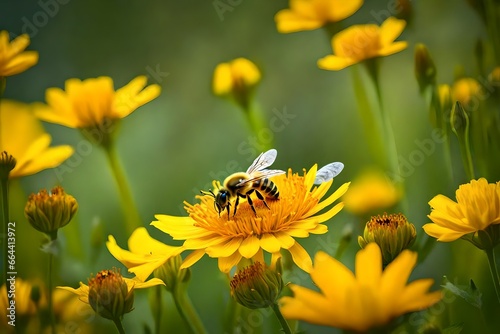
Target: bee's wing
x,y
264,160
264,174
328,172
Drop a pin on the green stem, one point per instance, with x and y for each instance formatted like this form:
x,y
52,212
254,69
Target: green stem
x,y
442,125
4,185
158,310
285,328
388,133
132,217
187,310
467,156
492,26
256,122
49,295
493,269
119,326
371,124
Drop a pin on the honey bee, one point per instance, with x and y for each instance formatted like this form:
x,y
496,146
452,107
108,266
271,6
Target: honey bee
x,y
256,179
243,184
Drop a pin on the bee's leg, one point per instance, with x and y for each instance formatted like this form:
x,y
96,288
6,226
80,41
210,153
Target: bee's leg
x,y
250,202
228,211
259,195
236,204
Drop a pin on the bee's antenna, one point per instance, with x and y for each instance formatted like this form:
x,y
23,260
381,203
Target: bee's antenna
x,y
208,193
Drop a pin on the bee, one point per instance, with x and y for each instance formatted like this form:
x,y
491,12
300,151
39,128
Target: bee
x,y
243,184
256,179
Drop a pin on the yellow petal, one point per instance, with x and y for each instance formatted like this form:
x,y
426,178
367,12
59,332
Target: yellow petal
x,y
227,263
269,243
300,257
442,234
192,258
249,247
335,63
390,29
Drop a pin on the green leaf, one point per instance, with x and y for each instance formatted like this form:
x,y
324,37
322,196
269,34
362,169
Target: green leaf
x,y
470,294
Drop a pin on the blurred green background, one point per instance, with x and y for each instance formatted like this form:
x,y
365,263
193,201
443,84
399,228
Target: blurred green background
x,y
177,144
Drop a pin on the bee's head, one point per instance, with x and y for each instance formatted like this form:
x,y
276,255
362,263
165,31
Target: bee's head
x,y
221,200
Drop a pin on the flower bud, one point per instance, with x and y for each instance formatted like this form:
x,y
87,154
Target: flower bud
x,y
459,121
256,286
392,233
7,163
425,70
171,274
109,295
49,212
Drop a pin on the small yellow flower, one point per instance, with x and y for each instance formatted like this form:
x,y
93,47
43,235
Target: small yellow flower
x,y
48,213
369,192
23,137
477,208
93,102
313,14
30,298
245,235
13,58
146,254
368,299
445,98
392,233
467,91
132,283
360,42
237,80
256,286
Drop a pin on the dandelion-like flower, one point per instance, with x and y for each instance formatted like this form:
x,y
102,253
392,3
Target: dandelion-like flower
x,y
296,214
13,58
92,103
146,254
368,299
371,191
467,91
360,42
23,137
313,14
236,79
477,208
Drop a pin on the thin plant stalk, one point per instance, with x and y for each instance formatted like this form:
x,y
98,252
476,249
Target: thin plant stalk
x,y
285,328
494,271
186,309
4,185
119,325
132,217
49,296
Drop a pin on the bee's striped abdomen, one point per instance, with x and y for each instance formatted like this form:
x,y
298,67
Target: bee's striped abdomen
x,y
268,188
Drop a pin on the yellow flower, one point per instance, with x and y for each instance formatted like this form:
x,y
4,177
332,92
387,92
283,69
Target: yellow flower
x,y
236,79
371,191
246,235
93,102
477,208
30,298
361,42
13,58
466,90
132,283
313,14
146,254
23,137
368,299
